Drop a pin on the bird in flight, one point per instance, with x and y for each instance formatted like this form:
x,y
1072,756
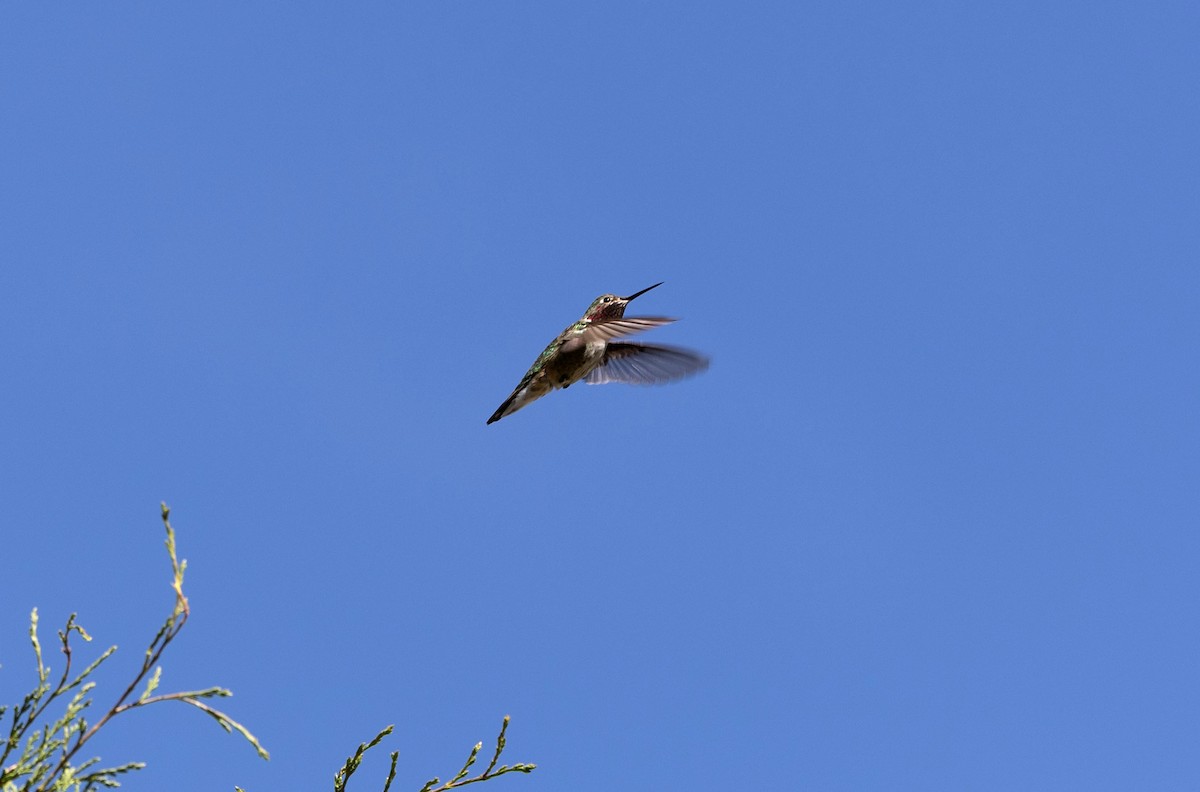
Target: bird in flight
x,y
588,350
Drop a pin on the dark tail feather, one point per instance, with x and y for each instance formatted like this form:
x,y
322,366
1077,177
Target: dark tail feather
x,y
496,416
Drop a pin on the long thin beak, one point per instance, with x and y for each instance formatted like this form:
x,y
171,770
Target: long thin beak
x,y
643,291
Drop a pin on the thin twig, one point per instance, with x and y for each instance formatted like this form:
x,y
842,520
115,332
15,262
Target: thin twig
x,y
171,628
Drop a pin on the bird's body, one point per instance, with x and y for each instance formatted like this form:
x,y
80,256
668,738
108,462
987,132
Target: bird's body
x,y
586,350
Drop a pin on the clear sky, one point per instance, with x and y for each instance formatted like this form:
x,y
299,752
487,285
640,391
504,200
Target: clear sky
x,y
928,522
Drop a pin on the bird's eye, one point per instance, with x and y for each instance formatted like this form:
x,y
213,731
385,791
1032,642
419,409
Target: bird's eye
x,y
608,299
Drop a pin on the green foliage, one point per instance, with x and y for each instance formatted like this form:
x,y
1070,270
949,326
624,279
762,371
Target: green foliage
x,y
48,759
432,785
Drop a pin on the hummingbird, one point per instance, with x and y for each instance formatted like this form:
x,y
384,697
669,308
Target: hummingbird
x,y
587,351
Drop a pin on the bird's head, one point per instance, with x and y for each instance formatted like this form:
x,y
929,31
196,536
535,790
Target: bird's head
x,y
610,306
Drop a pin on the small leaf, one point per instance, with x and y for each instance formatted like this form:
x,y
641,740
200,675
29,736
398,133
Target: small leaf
x,y
37,646
152,684
391,773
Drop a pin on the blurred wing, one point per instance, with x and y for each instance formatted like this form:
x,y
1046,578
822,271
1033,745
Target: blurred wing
x,y
645,364
615,328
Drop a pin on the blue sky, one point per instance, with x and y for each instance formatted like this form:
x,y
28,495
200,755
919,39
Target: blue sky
x,y
928,522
